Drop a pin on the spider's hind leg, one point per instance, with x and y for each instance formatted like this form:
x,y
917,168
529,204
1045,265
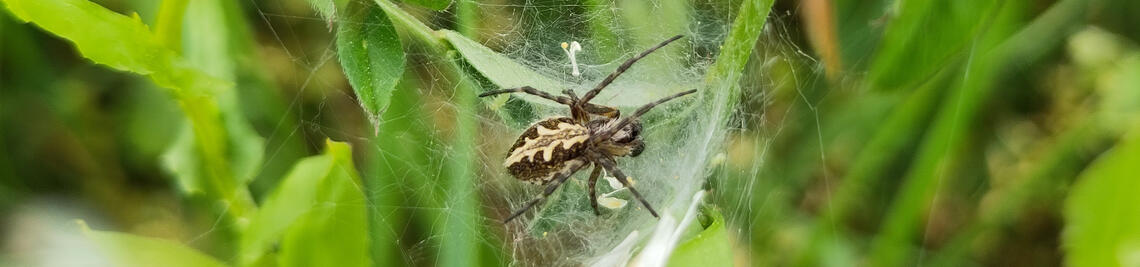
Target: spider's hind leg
x,y
612,168
557,182
593,188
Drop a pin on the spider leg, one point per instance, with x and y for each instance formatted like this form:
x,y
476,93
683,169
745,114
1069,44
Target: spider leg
x,y
593,190
637,114
612,168
562,177
532,91
621,69
608,112
570,93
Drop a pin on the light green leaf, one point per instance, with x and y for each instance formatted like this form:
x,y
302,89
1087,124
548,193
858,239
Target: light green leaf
x,y
316,214
125,43
131,250
710,247
503,71
371,56
1102,218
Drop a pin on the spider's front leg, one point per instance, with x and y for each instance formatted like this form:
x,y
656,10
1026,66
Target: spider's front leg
x,y
637,114
604,111
622,68
530,90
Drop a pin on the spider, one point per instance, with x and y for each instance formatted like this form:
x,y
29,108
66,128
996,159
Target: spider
x,y
553,149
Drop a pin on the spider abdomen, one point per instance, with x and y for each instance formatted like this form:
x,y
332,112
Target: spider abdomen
x,y
549,147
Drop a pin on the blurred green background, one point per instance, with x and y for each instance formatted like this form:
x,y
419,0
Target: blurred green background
x,y
867,133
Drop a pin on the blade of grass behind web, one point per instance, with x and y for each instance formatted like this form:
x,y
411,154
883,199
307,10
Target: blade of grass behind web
x,y
899,132
1067,156
943,142
126,44
400,158
923,36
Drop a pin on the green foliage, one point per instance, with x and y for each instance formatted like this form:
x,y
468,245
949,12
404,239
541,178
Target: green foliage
x,y
503,71
328,9
371,56
926,35
221,158
432,4
1101,214
737,49
316,214
957,133
135,251
712,246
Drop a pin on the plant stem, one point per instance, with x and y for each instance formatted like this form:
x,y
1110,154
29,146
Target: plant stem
x,y
418,30
168,27
467,13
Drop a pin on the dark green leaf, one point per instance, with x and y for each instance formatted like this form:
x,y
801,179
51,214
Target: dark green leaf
x,y
371,56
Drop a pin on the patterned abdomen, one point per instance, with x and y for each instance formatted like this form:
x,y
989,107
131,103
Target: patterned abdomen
x,y
547,148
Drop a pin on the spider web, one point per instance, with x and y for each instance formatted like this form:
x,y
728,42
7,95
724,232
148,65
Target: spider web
x,y
709,153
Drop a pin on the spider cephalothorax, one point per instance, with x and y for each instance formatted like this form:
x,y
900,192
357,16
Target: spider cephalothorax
x,y
552,149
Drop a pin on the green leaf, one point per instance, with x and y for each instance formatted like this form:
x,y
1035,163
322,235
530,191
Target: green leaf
x,y
710,247
132,250
432,4
126,44
503,71
317,215
327,8
371,56
1102,220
